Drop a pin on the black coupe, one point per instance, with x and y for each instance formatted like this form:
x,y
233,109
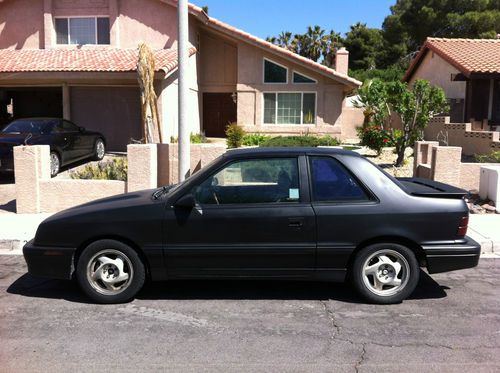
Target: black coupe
x,y
282,213
68,142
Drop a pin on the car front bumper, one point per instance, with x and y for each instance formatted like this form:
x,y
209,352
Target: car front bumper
x,y
443,258
51,262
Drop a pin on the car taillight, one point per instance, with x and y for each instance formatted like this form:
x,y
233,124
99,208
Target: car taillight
x,y
462,228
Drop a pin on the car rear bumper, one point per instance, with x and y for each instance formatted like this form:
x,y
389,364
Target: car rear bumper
x,y
443,258
52,262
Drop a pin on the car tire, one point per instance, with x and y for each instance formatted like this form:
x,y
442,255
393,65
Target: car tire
x,y
385,273
99,149
55,164
109,271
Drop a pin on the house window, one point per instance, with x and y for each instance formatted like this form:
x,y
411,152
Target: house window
x,y
290,108
82,30
274,73
300,78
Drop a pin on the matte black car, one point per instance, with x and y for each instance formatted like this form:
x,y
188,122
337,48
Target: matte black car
x,y
68,142
282,213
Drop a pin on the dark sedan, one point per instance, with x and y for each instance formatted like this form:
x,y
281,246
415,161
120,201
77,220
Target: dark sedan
x,y
68,142
304,213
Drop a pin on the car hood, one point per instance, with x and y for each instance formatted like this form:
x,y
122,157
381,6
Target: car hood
x,y
117,202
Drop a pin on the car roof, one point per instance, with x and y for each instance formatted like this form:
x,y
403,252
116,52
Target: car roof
x,y
243,152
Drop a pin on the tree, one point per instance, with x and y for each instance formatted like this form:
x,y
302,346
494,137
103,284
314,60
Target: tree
x,y
151,129
412,21
315,44
413,106
365,46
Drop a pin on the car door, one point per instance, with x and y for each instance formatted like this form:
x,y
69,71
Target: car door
x,y
252,218
77,138
345,212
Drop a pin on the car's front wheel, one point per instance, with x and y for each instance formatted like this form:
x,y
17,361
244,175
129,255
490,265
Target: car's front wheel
x,y
99,150
385,273
109,271
55,164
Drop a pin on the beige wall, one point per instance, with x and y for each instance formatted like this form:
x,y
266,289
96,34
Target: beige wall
x,y
21,24
250,87
443,164
218,60
149,165
168,99
460,134
436,70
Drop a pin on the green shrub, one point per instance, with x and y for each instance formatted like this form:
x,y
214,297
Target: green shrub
x,y
493,157
254,139
300,141
194,138
116,169
374,138
234,135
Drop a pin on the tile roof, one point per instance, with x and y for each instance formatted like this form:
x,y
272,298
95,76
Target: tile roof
x,y
469,56
87,59
233,31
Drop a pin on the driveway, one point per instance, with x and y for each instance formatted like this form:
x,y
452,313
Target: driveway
x,y
450,324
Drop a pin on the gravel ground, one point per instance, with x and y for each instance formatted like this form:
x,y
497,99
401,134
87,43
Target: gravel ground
x,y
387,159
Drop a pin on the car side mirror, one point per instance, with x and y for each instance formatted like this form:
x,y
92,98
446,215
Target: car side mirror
x,y
187,201
81,129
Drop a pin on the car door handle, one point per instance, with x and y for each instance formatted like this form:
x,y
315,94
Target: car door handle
x,y
295,222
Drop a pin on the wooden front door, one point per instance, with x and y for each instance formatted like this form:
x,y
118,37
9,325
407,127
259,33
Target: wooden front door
x,y
219,110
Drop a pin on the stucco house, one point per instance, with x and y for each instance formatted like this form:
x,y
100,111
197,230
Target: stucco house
x,y
77,59
468,70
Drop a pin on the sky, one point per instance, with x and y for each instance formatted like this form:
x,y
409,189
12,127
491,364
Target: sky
x,y
264,18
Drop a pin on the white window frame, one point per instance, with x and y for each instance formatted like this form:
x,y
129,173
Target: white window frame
x,y
301,109
67,18
264,71
314,81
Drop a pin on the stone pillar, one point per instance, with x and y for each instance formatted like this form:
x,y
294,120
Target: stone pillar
x,y
114,13
66,102
48,26
31,164
422,154
142,167
446,162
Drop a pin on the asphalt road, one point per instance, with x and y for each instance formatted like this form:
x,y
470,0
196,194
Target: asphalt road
x,y
451,323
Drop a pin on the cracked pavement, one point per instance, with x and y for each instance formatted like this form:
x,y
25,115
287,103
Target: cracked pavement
x,y
450,324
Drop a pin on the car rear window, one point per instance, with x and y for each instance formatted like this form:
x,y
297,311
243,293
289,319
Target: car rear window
x,y
332,182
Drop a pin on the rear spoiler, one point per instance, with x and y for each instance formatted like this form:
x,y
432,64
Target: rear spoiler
x,y
430,188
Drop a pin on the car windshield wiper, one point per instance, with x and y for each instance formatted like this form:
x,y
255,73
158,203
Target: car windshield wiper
x,y
162,191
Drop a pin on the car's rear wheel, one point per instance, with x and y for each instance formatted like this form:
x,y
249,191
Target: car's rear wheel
x,y
109,271
385,273
99,150
55,164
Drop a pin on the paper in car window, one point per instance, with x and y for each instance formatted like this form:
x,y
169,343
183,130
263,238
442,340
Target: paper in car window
x,y
293,193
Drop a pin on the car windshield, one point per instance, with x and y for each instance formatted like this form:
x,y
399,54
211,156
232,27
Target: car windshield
x,y
36,126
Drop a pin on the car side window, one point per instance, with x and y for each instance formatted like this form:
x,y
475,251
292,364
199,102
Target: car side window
x,y
266,180
68,126
63,126
331,182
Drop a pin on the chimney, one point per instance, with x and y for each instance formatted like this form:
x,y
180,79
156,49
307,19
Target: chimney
x,y
342,61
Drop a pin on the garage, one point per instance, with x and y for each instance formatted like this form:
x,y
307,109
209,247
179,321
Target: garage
x,y
24,102
113,111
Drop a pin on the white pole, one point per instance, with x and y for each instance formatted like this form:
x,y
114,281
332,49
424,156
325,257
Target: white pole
x,y
183,55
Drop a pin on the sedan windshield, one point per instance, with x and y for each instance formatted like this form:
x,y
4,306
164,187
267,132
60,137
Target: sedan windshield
x,y
36,126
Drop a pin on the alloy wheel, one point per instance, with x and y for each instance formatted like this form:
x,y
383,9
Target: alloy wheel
x,y
110,272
